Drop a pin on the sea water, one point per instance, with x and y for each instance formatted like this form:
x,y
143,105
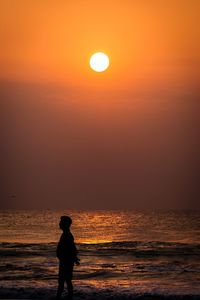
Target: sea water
x,y
121,252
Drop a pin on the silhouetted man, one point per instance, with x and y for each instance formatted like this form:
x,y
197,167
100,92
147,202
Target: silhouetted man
x,y
67,255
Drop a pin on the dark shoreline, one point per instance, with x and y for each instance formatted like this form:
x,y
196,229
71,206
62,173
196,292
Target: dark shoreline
x,y
31,293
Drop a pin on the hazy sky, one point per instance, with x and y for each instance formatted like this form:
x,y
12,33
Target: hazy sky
x,y
125,138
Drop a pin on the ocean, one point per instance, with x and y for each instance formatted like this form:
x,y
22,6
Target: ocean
x,y
123,254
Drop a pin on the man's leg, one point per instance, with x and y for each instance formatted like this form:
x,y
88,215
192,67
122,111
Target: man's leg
x,y
70,288
69,280
60,288
61,280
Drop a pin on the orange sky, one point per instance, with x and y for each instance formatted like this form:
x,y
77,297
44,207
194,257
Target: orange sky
x,y
149,42
123,138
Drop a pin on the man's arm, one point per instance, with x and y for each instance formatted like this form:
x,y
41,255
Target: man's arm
x,y
75,252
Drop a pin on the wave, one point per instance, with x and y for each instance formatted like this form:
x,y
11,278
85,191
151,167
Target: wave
x,y
154,267
136,248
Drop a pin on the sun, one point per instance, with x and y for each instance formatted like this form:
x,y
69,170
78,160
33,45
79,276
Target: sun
x,y
99,62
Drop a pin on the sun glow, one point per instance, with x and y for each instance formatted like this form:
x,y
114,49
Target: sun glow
x,y
99,62
97,241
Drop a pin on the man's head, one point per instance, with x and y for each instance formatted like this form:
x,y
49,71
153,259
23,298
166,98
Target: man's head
x,y
65,222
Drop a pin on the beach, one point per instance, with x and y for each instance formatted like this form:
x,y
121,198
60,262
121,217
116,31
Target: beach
x,y
98,295
124,255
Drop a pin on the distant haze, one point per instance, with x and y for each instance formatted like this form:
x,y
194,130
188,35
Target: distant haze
x,y
124,139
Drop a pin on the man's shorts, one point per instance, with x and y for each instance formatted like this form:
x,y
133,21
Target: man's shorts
x,y
65,271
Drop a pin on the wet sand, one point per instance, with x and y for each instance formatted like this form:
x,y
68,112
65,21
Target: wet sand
x,y
106,295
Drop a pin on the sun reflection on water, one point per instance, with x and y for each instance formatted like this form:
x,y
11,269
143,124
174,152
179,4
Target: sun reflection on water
x,y
97,241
